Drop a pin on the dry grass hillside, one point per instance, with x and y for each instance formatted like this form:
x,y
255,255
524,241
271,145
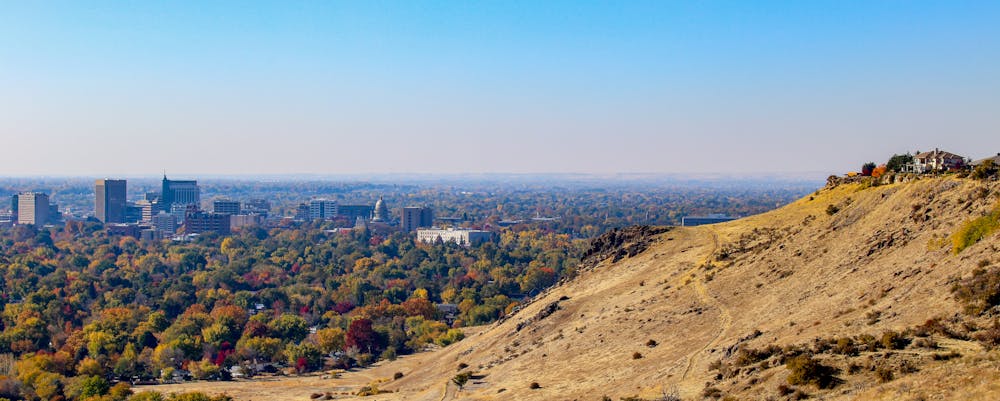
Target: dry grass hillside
x,y
836,289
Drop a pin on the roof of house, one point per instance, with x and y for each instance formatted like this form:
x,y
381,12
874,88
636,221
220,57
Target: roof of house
x,y
996,160
937,154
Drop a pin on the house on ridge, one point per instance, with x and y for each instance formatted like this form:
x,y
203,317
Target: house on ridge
x,y
936,160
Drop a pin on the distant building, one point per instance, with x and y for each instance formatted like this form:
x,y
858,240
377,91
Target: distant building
x,y
198,222
238,221
690,221
129,230
416,217
320,209
459,236
302,212
110,200
13,206
381,213
257,206
33,208
180,211
179,193
133,213
165,223
149,209
936,160
224,206
7,219
55,216
353,212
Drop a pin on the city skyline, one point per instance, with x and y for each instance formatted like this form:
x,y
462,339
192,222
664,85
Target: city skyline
x,y
336,88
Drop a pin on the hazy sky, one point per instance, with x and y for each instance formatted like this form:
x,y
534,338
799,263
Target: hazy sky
x,y
213,87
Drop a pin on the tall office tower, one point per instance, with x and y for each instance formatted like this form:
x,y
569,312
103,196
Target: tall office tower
x,y
226,206
322,209
109,202
32,208
417,217
13,208
179,193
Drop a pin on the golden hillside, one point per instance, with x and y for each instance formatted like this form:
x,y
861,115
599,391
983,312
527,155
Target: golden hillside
x,y
694,314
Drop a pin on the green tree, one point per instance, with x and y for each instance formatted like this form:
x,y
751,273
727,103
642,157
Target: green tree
x,y
92,386
289,328
896,163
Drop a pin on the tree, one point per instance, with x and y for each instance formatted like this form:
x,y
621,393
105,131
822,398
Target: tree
x,y
330,340
304,357
360,335
288,327
461,379
897,163
867,168
93,386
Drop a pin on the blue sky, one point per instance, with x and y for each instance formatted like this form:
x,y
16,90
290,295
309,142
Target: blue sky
x,y
212,87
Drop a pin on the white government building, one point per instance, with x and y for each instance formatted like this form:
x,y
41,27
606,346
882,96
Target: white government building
x,y
461,236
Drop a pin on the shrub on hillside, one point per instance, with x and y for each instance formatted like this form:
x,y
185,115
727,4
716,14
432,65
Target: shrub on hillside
x,y
980,292
991,336
984,171
972,231
461,379
807,370
893,340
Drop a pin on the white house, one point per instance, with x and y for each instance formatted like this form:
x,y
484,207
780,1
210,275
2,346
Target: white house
x,y
936,160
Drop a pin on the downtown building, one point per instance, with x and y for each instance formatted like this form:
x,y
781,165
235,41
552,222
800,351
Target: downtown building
x,y
110,201
321,209
225,206
460,236
197,222
179,193
33,208
416,217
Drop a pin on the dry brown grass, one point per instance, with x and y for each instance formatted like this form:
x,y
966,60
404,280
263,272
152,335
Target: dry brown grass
x,y
805,274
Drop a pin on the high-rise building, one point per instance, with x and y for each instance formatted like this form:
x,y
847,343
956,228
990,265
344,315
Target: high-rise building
x,y
225,206
33,208
322,209
109,202
179,193
417,217
13,208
